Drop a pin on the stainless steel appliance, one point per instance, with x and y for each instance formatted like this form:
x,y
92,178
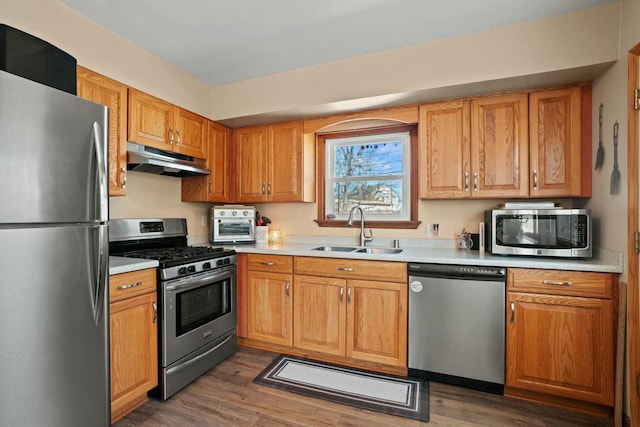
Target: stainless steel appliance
x,y
539,232
232,224
141,158
197,292
54,363
457,325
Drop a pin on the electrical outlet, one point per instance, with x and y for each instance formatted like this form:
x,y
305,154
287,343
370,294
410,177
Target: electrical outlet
x,y
433,230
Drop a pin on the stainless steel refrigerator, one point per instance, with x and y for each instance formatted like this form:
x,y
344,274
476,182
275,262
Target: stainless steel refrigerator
x,y
54,334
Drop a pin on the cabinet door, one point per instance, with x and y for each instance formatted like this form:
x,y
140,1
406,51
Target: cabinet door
x,y
444,150
499,146
270,298
213,187
190,133
561,346
251,164
377,322
556,143
113,94
320,314
134,352
150,121
285,162
218,162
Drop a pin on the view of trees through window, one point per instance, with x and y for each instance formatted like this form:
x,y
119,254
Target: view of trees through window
x,y
369,171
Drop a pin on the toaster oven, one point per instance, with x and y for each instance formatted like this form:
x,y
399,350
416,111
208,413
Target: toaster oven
x,y
232,224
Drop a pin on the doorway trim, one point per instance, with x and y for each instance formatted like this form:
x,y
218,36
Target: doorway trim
x,y
633,298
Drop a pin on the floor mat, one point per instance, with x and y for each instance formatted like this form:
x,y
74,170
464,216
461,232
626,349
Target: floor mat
x,y
406,397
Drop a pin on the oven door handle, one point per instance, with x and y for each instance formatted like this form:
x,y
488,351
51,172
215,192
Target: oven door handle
x,y
196,359
191,283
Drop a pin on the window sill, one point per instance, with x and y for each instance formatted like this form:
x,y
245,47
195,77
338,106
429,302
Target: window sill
x,y
369,224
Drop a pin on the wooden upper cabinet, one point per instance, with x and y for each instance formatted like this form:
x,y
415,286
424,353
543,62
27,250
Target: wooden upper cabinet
x,y
103,90
444,149
274,164
216,186
474,148
286,162
191,133
251,163
560,140
499,146
150,120
156,123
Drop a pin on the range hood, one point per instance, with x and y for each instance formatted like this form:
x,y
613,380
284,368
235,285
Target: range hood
x,y
141,158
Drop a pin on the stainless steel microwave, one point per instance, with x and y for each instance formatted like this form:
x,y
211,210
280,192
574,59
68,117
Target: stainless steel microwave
x,y
232,224
539,232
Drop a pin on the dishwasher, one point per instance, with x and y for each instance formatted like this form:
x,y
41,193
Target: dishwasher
x,y
457,325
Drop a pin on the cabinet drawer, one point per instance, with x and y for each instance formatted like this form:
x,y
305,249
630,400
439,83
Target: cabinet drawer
x,y
387,271
556,282
274,263
127,285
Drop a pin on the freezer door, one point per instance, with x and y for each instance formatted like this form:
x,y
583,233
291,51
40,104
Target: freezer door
x,y
53,149
54,327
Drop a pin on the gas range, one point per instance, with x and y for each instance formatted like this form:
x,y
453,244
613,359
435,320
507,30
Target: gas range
x,y
165,240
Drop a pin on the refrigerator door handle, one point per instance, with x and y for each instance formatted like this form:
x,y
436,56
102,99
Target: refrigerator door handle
x,y
103,186
100,291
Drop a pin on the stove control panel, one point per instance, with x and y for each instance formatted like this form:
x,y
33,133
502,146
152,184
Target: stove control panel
x,y
190,268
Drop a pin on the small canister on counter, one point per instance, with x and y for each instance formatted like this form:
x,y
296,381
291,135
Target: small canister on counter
x,y
262,234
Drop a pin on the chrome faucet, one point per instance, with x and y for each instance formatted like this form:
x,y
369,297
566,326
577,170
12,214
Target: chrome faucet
x,y
363,237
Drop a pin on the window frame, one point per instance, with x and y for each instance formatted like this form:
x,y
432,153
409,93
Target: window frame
x,y
413,222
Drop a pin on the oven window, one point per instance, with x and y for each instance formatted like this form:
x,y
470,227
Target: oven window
x,y
200,306
234,228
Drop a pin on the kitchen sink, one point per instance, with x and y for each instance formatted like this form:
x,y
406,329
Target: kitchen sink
x,y
334,248
358,250
378,251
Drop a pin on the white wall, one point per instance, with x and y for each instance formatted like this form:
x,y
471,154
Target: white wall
x,y
582,38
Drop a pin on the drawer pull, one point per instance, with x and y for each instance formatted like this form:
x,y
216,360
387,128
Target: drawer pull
x,y
268,263
349,269
132,285
551,282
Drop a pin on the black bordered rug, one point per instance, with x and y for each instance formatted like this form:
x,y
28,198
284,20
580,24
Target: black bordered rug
x,y
406,397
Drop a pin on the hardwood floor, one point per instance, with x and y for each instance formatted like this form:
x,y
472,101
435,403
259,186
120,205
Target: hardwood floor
x,y
226,396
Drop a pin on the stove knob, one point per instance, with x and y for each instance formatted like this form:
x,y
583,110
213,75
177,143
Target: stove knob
x,y
222,213
182,270
206,266
191,269
245,213
219,262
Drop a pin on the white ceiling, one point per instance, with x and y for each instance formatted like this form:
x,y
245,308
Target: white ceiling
x,y
223,41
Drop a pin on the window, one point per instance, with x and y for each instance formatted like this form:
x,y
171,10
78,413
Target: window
x,y
374,169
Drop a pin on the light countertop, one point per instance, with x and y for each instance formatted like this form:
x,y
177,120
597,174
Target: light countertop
x,y
602,261
118,265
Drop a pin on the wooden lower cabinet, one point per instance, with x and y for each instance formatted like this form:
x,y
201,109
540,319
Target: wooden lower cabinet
x,y
269,297
326,314
561,346
134,340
